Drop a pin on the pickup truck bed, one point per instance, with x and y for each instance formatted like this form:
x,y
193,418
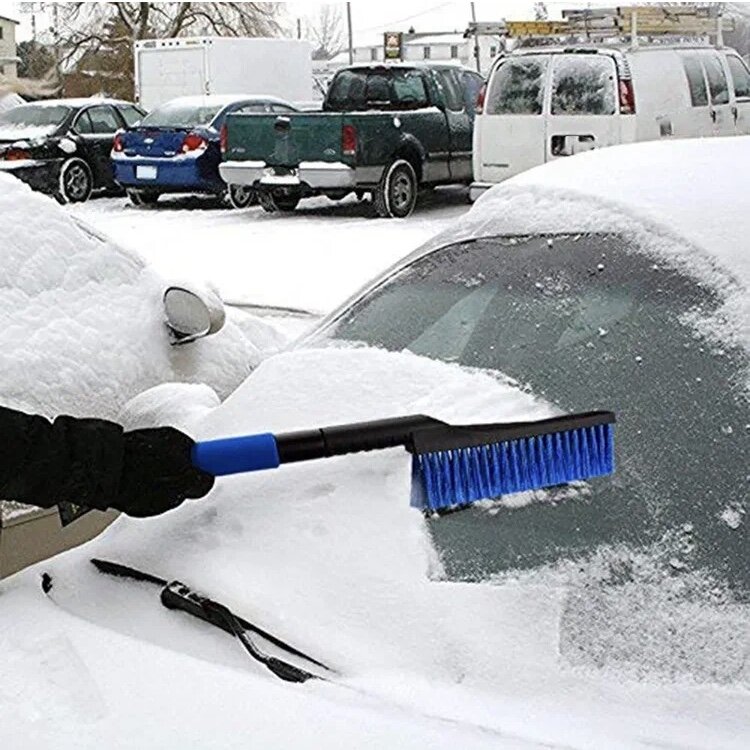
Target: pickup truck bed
x,y
388,152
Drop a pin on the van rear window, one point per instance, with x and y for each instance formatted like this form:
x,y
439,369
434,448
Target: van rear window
x,y
583,85
740,76
517,87
717,81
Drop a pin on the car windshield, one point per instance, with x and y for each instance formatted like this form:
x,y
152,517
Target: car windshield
x,y
377,88
181,115
589,322
34,116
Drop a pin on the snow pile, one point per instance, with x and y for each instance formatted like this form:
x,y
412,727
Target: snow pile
x,y
82,322
9,99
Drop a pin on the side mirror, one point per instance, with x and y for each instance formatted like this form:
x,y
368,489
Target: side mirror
x,y
192,315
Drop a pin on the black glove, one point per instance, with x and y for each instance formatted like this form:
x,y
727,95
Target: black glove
x,y
157,473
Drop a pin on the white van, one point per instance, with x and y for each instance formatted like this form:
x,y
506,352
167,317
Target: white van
x,y
549,102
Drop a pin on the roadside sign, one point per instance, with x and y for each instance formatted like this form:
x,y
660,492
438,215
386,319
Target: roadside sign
x,y
392,45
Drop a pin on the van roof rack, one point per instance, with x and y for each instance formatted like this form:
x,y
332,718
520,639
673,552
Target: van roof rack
x,y
654,23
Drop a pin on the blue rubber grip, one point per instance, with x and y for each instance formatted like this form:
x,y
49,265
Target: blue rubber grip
x,y
236,455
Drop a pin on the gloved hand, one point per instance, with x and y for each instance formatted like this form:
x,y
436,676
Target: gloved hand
x,y
157,473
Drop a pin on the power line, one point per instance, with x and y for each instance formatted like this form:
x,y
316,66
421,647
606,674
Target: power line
x,y
391,24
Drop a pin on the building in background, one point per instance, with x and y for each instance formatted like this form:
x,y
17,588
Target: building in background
x,y
435,46
8,51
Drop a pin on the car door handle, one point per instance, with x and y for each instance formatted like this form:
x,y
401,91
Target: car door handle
x,y
734,113
713,115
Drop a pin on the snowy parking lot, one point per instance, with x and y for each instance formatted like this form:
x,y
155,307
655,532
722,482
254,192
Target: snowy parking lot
x,y
313,258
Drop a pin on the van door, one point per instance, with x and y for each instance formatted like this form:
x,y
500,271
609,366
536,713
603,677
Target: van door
x,y
511,131
740,77
584,105
720,108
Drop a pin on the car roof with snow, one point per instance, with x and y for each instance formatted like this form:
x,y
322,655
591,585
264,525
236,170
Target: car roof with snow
x,y
78,102
689,189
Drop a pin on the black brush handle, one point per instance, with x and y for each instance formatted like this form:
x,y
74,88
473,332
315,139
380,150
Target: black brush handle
x,y
351,438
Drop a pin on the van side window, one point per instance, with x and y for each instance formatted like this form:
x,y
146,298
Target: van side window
x,y
696,81
583,85
717,81
740,77
517,87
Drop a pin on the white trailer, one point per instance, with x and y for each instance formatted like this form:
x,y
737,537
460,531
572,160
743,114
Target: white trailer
x,y
167,68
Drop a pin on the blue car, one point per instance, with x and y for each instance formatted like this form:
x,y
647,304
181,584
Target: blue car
x,y
176,148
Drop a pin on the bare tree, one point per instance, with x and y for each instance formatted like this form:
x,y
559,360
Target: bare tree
x,y
326,32
100,35
540,11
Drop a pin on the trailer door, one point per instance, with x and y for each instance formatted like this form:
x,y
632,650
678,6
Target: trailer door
x,y
584,106
168,72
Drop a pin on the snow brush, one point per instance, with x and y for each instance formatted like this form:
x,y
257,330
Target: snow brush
x,y
452,466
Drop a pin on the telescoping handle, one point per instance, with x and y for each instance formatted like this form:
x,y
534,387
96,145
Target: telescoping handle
x,y
267,451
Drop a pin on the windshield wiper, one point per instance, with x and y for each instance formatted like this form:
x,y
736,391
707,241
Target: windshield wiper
x,y
176,595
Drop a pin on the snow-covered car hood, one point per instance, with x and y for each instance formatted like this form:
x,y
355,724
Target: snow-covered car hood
x,y
82,326
330,556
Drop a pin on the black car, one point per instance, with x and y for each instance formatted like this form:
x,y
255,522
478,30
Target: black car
x,y
62,146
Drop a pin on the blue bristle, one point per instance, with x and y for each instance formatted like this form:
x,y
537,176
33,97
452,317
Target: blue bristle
x,y
452,478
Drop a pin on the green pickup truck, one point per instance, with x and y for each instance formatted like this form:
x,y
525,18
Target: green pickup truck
x,y
385,130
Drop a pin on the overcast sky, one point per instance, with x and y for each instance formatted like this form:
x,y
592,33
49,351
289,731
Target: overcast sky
x,y
370,18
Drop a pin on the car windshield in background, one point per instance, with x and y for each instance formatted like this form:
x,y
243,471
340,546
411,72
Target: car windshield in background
x,y
34,116
180,115
377,88
589,323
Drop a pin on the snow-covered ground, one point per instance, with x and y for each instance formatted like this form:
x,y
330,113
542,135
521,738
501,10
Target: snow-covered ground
x,y
313,259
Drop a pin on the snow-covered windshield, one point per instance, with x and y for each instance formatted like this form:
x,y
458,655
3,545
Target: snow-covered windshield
x,y
180,114
34,116
587,323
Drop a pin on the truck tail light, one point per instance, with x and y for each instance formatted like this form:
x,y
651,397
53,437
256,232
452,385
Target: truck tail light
x,y
479,105
223,138
193,142
117,144
17,154
349,140
627,97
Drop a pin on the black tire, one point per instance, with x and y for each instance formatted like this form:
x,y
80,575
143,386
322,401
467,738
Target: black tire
x,y
396,195
143,198
272,203
241,196
76,181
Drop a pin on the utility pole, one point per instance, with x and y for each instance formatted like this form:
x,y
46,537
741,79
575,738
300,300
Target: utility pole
x,y
476,37
351,38
299,28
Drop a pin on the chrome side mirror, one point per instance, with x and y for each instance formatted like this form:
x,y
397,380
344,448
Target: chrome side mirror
x,y
191,314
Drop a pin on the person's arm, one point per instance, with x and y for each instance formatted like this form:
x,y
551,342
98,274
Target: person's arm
x,y
93,462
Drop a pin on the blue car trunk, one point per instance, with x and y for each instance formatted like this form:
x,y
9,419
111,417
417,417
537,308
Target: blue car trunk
x,y
154,142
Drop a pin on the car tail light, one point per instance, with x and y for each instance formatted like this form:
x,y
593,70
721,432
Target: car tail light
x,y
223,138
193,142
117,144
17,154
479,105
627,97
349,140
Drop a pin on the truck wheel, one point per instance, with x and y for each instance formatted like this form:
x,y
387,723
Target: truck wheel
x,y
396,195
143,198
241,196
76,181
272,203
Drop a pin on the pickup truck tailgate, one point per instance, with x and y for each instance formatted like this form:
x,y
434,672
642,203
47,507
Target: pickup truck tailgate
x,y
285,140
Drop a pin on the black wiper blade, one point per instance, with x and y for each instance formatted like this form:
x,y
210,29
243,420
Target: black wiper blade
x,y
176,595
